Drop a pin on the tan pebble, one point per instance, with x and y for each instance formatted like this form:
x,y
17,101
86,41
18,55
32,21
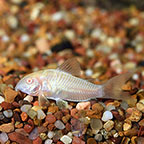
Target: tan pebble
x,y
108,125
127,125
141,123
133,114
140,106
9,127
42,45
83,105
97,107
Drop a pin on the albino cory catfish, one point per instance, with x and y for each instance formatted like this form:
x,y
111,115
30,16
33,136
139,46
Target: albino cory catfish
x,y
62,83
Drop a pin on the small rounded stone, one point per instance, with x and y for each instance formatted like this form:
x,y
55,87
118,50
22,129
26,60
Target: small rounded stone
x,y
107,115
8,113
96,124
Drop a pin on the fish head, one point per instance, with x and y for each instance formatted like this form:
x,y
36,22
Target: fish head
x,y
30,84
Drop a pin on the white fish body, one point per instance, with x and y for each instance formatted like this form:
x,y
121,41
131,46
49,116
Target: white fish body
x,y
62,83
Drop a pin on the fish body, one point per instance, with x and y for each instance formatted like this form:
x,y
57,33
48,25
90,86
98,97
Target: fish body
x,y
62,83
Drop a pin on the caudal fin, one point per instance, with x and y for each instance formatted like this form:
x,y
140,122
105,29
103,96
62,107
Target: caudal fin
x,y
113,87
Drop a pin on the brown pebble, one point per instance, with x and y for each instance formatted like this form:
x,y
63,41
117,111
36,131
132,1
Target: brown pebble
x,y
6,105
91,141
28,128
38,140
50,118
77,140
53,109
141,123
58,115
97,107
24,116
51,127
19,138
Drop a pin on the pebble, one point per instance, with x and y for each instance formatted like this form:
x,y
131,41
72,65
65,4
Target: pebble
x,y
43,136
8,113
83,105
24,38
107,115
108,125
77,140
110,107
98,137
91,141
9,127
66,139
59,124
12,21
127,125
3,137
34,134
19,138
88,72
124,105
1,99
140,106
25,108
48,141
32,113
42,45
50,119
38,140
133,114
24,116
40,114
62,104
50,134
96,124
28,98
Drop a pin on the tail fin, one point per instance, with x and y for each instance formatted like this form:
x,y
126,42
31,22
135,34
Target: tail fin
x,y
113,87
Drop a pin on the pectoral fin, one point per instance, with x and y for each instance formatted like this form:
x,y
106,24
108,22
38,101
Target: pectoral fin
x,y
43,101
71,66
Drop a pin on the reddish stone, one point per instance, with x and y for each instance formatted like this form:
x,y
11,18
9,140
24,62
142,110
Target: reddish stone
x,y
65,111
24,116
28,128
58,115
31,122
59,142
74,113
19,138
51,127
77,140
68,127
50,118
38,140
6,105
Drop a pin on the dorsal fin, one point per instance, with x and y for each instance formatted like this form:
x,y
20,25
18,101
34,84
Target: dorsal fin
x,y
71,66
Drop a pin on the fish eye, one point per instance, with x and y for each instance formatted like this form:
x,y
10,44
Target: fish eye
x,y
29,81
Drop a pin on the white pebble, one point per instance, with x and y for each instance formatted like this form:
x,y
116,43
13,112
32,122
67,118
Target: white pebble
x,y
66,139
28,98
12,21
25,108
3,137
24,38
48,141
5,38
88,72
107,115
1,99
50,134
57,16
59,124
8,113
135,77
40,114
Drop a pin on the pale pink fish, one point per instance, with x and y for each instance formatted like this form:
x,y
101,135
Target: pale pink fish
x,y
62,83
